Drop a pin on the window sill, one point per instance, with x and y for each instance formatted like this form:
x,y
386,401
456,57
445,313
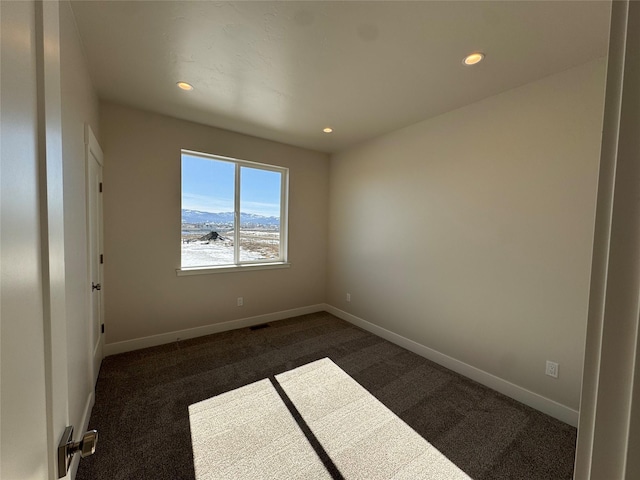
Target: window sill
x,y
183,272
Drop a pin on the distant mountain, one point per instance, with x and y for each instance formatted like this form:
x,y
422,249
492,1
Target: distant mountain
x,y
197,216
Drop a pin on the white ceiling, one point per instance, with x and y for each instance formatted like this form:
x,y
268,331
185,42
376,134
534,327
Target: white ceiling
x,y
285,70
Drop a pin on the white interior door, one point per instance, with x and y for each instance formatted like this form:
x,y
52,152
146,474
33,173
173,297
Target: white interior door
x,y
94,235
23,419
34,381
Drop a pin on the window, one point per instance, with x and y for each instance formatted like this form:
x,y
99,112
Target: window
x,y
234,212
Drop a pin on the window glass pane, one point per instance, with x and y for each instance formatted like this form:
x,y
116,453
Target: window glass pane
x,y
259,214
207,212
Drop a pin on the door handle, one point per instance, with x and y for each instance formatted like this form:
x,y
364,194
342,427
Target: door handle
x,y
67,448
95,286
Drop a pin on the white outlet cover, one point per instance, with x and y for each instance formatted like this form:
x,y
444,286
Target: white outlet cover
x,y
552,369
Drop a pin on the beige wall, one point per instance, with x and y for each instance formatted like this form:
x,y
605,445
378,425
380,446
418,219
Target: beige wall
x,y
79,105
143,295
471,232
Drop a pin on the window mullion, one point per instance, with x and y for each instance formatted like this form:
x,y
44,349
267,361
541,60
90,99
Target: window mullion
x,y
236,214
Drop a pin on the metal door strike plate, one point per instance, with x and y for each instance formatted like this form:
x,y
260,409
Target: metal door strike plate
x,y
67,448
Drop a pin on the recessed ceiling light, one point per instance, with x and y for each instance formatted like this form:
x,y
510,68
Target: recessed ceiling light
x,y
327,130
473,58
185,86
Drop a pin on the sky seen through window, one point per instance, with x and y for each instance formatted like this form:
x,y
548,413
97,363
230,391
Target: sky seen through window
x,y
207,186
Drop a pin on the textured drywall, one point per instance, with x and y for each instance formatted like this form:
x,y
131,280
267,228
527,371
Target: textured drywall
x,y
471,232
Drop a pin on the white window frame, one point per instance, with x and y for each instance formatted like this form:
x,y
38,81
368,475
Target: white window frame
x,y
238,265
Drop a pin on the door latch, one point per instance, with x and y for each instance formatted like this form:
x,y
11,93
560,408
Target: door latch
x,y
95,286
67,448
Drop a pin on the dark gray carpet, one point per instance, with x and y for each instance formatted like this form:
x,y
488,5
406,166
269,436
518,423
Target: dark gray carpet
x,y
142,401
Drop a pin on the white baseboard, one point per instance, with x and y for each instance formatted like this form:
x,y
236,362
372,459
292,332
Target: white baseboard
x,y
534,400
163,338
91,400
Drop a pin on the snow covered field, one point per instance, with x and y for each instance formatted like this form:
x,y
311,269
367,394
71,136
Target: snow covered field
x,y
254,245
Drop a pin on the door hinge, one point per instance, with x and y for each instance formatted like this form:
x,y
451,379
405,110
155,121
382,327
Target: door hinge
x,y
101,258
100,187
102,328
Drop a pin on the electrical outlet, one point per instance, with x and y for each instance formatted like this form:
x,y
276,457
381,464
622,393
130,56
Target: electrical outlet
x,y
552,369
348,297
240,301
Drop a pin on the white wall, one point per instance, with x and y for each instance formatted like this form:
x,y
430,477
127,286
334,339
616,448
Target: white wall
x,y
79,105
142,197
471,233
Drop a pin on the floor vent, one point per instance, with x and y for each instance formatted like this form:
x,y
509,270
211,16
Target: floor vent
x,y
260,327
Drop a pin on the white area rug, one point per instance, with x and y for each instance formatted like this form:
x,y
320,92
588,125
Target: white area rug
x,y
249,433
